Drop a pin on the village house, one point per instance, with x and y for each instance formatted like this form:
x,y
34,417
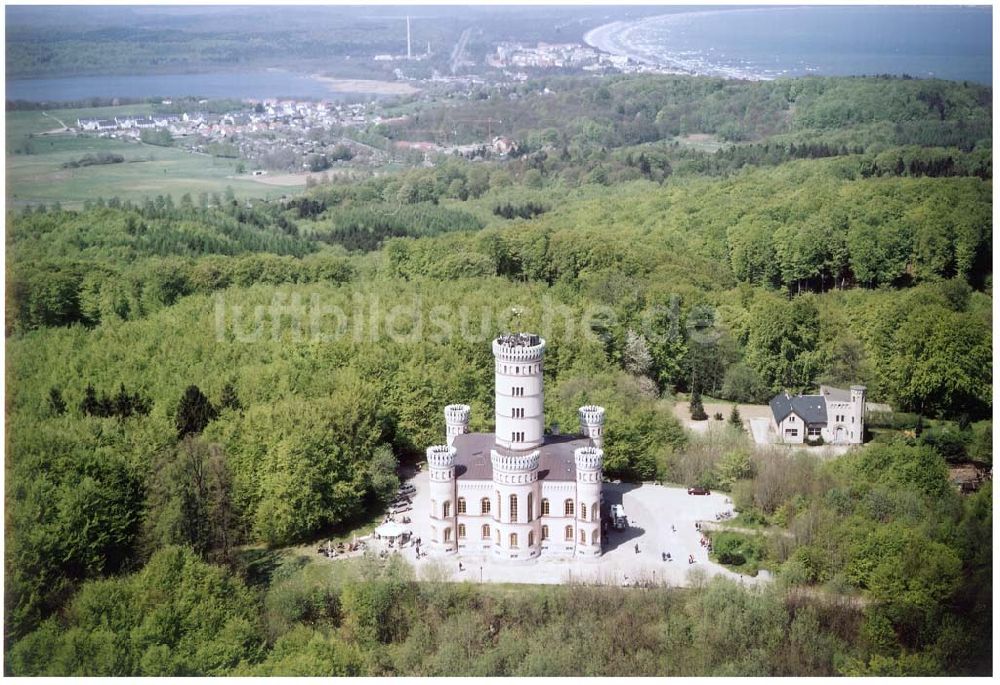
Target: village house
x,y
835,415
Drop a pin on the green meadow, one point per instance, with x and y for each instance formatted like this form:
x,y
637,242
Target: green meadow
x,y
35,158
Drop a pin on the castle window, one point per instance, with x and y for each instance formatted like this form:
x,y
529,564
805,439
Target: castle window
x,y
569,533
545,532
531,514
583,511
568,508
446,509
513,508
594,511
461,505
461,530
484,505
583,537
531,538
513,540
486,532
545,507
594,539
852,419
447,534
517,369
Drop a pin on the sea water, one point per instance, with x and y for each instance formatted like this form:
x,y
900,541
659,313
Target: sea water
x,y
770,42
258,84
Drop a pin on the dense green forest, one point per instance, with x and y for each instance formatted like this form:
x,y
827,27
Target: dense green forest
x,y
196,384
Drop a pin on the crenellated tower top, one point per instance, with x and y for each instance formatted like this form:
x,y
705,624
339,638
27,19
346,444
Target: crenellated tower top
x,y
514,469
592,423
519,347
456,420
441,456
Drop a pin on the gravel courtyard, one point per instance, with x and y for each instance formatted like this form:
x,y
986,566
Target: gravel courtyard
x,y
651,510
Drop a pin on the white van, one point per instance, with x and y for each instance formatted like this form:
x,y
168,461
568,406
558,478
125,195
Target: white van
x,y
618,519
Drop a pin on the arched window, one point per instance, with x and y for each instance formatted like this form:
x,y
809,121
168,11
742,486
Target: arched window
x,y
568,508
583,511
447,534
531,513
513,540
484,505
531,538
461,505
486,532
545,507
513,508
595,512
461,530
545,532
583,537
569,533
594,537
446,509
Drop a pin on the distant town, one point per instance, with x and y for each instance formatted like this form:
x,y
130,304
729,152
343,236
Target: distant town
x,y
296,135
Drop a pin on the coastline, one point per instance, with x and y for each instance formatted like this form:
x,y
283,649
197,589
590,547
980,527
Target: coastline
x,y
612,38
365,86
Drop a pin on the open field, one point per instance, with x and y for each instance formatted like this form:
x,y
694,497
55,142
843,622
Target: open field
x,y
35,173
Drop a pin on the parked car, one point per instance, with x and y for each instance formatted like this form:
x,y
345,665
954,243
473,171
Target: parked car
x,y
699,491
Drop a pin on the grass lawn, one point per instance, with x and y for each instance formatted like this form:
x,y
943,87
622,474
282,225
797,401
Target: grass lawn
x,y
35,173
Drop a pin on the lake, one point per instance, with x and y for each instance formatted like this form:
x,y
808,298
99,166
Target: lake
x,y
763,43
265,83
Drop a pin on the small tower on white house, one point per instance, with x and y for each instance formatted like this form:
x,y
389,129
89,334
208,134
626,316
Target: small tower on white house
x,y
589,465
592,423
857,427
441,465
520,414
456,420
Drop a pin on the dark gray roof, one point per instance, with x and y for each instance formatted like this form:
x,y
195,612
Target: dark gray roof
x,y
810,408
555,462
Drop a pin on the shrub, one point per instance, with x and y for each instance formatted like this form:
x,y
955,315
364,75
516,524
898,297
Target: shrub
x,y
697,408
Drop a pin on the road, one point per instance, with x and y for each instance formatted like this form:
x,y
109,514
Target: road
x,y
64,128
456,53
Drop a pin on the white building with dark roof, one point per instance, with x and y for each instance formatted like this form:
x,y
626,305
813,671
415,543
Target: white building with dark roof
x,y
836,415
517,494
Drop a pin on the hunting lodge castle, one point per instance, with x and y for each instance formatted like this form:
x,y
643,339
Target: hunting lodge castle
x,y
517,494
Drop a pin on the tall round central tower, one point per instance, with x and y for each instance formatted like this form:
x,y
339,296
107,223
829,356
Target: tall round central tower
x,y
520,415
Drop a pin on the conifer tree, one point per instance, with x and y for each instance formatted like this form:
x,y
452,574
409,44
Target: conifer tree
x,y
735,419
697,408
89,405
194,412
56,402
229,399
